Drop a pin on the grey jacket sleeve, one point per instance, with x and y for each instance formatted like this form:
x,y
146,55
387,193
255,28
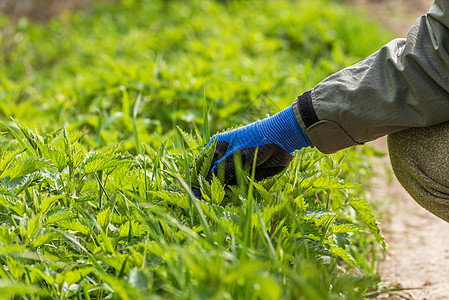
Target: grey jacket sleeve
x,y
404,84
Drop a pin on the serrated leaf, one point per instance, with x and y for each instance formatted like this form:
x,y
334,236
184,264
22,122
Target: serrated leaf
x,y
103,217
15,267
32,137
4,191
188,138
40,274
321,181
51,177
72,276
58,215
17,185
181,200
74,225
340,228
7,158
266,196
340,252
44,238
23,143
137,229
79,155
217,190
30,226
100,161
202,163
76,135
10,203
205,188
115,260
301,202
24,166
319,216
365,211
57,158
269,211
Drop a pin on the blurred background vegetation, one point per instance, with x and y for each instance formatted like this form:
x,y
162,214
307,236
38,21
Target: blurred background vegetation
x,y
85,68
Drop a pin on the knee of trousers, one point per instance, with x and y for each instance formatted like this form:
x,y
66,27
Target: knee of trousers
x,y
420,161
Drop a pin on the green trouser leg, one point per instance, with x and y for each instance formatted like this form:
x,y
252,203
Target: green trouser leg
x,y
420,160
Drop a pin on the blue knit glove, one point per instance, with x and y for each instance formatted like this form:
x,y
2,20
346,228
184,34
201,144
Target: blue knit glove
x,y
277,138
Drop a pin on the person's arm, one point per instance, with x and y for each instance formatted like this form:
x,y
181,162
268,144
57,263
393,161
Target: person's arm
x,y
405,84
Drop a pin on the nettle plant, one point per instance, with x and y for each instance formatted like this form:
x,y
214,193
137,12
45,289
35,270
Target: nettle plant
x,y
93,224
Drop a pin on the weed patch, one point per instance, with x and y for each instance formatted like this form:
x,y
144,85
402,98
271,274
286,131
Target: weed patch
x,y
112,107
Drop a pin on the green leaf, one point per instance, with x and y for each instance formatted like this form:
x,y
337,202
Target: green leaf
x,y
15,267
19,207
35,272
270,211
205,188
23,143
74,225
33,138
44,237
266,196
100,161
6,159
58,215
103,217
344,255
30,226
57,158
207,159
24,166
365,212
181,200
137,229
321,181
319,216
48,202
74,275
188,138
341,228
7,236
202,163
217,190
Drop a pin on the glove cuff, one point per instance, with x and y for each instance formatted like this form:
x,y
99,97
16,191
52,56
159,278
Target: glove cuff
x,y
283,129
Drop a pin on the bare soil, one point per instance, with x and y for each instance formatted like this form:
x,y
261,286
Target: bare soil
x,y
42,10
397,15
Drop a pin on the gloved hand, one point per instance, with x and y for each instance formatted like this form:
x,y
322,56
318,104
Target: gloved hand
x,y
277,138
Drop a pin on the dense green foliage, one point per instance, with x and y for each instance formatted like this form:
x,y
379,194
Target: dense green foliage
x,y
95,200
85,72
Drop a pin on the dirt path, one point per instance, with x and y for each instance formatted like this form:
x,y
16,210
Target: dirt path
x,y
397,15
418,243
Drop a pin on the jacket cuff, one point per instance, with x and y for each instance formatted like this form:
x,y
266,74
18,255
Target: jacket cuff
x,y
327,136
